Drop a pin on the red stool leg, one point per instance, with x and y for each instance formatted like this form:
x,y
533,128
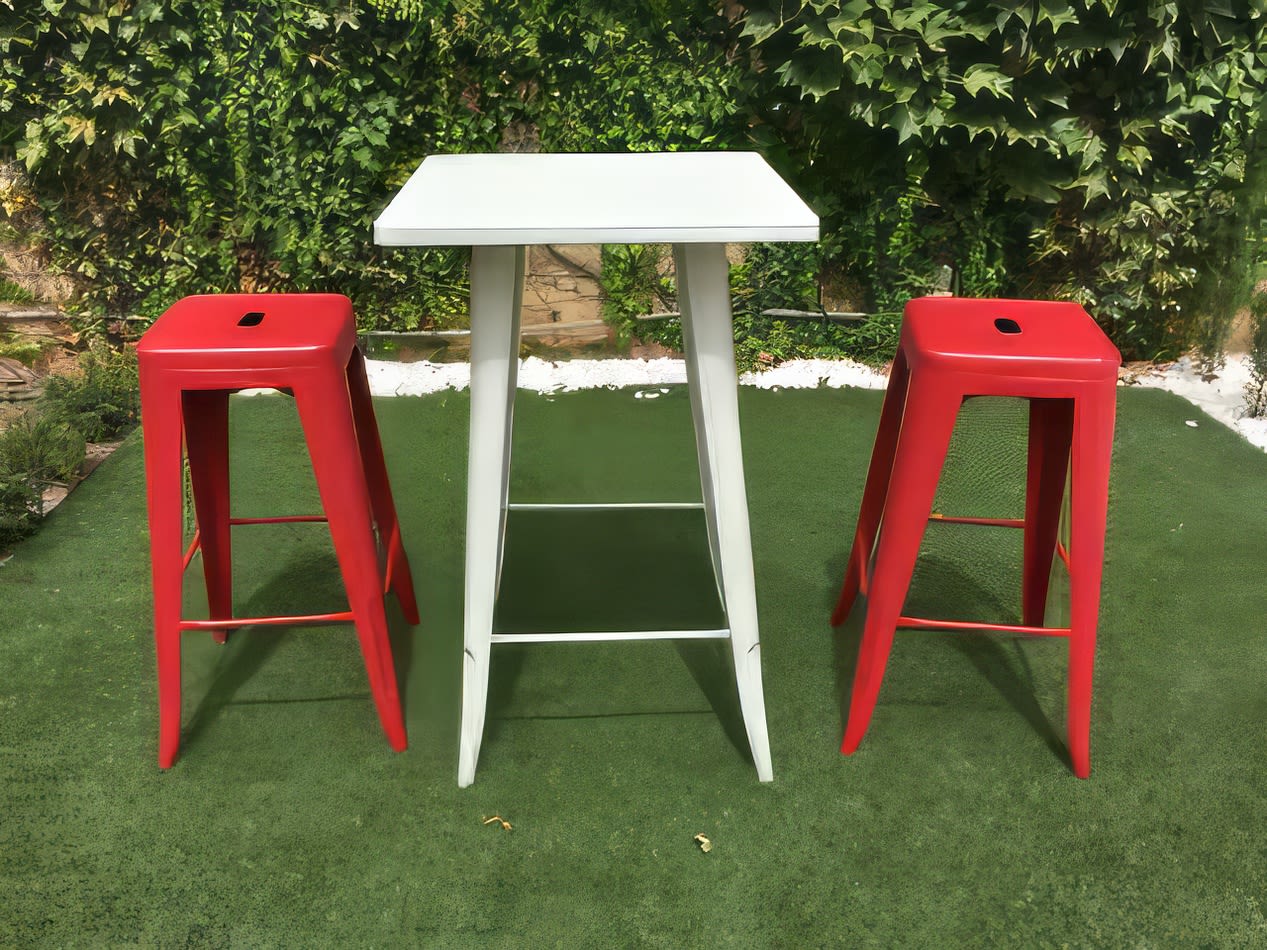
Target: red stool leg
x,y
925,434
876,489
400,579
207,444
326,414
1050,436
161,424
1092,454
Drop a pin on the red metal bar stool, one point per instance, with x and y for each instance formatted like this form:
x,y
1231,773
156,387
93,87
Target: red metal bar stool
x,y
191,359
951,348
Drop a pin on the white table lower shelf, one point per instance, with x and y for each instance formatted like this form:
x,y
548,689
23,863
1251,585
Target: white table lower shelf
x,y
631,571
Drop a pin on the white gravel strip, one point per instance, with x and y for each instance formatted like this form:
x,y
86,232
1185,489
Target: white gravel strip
x,y
544,376
1222,395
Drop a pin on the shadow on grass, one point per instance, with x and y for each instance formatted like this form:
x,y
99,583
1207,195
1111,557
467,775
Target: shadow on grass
x,y
608,571
999,659
711,665
708,662
248,649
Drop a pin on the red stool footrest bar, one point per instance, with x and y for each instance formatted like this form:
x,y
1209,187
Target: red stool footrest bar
x,y
193,356
235,622
344,616
924,623
1052,354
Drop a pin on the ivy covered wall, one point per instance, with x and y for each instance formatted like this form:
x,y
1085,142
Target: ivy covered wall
x,y
1100,150
179,145
1104,151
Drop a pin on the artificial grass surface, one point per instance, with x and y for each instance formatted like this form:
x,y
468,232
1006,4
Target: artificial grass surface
x,y
288,821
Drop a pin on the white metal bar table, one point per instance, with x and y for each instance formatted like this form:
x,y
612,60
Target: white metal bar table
x,y
696,201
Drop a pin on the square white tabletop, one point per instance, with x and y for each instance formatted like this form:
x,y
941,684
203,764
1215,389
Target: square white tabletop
x,y
569,198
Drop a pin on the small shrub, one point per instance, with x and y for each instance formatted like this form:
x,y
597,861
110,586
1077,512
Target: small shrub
x,y
23,349
632,284
776,276
13,293
1256,388
104,400
770,277
21,507
41,449
34,451
786,276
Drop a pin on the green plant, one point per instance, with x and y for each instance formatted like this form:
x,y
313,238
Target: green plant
x,y
40,449
13,293
1256,388
776,276
204,145
769,277
103,400
1070,148
34,452
25,351
786,276
21,508
772,277
632,285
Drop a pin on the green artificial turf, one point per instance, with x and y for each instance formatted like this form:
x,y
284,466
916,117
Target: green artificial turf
x,y
287,820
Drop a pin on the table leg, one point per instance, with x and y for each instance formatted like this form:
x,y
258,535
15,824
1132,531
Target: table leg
x,y
497,277
704,298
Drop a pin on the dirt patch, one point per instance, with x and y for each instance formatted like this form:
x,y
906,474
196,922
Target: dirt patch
x,y
561,285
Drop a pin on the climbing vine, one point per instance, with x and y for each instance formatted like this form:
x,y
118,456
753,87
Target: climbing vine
x,y
1086,149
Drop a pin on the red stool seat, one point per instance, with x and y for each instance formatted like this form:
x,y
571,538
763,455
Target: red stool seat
x,y
191,359
1052,354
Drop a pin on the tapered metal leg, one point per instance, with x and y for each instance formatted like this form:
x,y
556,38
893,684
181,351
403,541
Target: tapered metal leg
x,y
704,297
1092,456
326,415
207,440
875,492
1050,436
497,276
917,463
161,405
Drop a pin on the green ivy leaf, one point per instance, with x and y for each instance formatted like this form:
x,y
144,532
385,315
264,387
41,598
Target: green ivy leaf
x,y
982,77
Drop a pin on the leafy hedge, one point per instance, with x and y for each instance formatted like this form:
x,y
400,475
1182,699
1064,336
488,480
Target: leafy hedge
x,y
1077,148
1089,149
210,145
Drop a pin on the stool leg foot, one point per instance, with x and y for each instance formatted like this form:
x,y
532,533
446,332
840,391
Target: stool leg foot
x,y
875,491
400,579
326,415
207,442
1050,437
921,450
1092,456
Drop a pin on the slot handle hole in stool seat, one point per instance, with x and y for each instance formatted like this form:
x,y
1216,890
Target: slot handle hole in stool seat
x,y
952,349
190,360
